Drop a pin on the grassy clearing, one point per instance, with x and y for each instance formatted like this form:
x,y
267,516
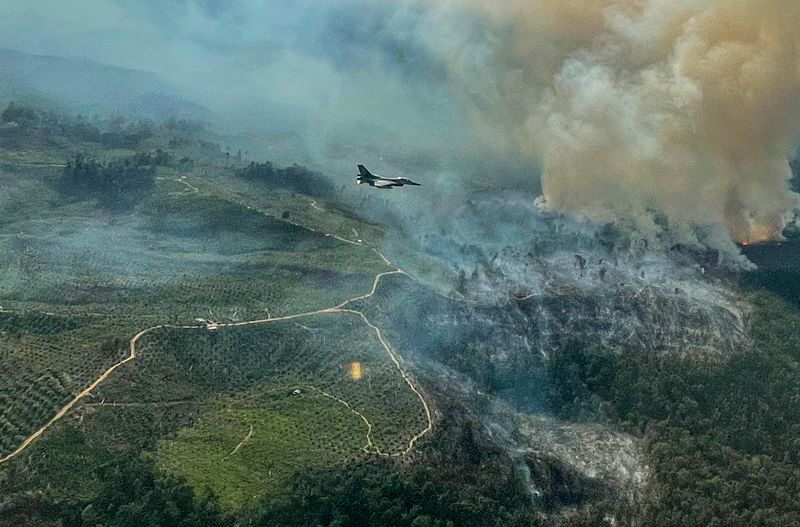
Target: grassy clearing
x,y
289,432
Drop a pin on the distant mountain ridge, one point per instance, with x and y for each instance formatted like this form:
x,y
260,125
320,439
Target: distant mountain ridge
x,y
82,86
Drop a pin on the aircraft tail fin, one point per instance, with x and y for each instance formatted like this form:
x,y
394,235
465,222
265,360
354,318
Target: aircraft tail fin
x,y
363,172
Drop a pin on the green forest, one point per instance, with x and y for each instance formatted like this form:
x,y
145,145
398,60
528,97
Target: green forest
x,y
723,439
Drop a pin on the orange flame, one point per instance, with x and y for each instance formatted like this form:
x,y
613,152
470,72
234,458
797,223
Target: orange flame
x,y
355,371
761,233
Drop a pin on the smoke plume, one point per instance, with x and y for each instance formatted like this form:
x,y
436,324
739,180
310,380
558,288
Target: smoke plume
x,y
636,107
633,108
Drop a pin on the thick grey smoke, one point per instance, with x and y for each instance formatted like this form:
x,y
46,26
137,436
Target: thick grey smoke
x,y
687,108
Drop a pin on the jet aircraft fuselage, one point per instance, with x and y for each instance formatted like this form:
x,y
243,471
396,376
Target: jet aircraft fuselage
x,y
373,180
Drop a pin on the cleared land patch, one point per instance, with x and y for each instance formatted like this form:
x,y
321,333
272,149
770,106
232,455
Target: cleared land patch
x,y
284,432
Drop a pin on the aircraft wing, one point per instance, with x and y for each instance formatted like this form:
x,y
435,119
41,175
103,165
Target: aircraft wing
x,y
381,183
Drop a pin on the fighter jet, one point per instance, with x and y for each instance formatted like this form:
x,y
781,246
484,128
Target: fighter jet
x,y
365,176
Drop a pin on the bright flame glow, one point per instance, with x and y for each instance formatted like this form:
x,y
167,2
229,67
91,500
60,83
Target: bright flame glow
x,y
355,371
761,234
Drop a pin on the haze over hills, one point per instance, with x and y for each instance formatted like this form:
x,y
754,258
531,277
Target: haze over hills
x,y
81,86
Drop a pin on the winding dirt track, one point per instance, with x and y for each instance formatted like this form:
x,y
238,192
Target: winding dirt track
x,y
393,356
340,308
243,441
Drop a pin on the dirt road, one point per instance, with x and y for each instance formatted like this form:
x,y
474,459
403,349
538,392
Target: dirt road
x,y
340,309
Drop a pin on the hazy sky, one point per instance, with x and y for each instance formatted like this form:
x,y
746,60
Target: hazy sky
x,y
350,77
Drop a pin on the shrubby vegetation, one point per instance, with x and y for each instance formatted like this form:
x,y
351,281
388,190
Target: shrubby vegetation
x,y
783,282
777,267
722,439
20,125
129,494
462,480
459,479
134,495
295,178
21,115
25,127
117,185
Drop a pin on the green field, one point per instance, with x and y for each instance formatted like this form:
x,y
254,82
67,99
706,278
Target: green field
x,y
280,435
